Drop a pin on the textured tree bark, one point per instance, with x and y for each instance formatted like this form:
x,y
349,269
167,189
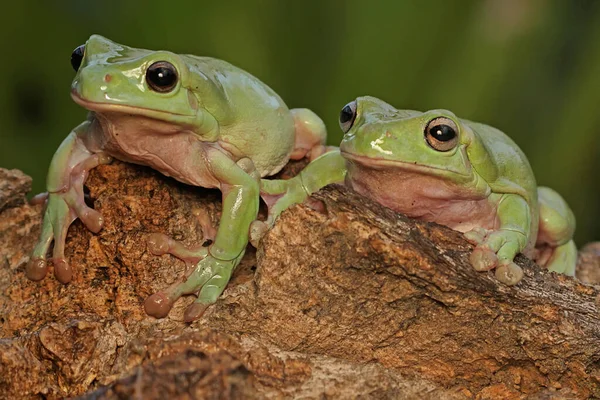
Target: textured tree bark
x,y
341,301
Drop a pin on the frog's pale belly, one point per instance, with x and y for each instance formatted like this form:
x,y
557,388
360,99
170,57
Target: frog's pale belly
x,y
170,149
424,197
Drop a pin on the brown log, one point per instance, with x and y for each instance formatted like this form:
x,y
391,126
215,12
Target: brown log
x,y
353,301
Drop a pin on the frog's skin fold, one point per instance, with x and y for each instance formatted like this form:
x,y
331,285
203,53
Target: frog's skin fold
x,y
474,179
199,120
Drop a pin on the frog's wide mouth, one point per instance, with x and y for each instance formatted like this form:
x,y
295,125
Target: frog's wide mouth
x,y
98,106
403,165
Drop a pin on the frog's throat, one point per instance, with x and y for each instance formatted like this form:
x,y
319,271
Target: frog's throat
x,y
407,166
127,109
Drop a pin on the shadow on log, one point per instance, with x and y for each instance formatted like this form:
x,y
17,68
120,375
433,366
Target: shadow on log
x,y
353,301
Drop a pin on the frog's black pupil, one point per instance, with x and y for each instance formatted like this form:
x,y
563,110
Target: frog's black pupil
x,y
162,76
442,132
77,57
346,114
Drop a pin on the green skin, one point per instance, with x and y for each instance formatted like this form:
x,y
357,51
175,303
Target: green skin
x,y
217,127
480,184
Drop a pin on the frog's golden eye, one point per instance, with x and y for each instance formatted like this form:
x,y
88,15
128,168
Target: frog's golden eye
x,y
441,134
161,76
347,116
77,57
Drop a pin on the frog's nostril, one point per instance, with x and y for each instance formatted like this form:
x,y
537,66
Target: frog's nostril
x,y
107,78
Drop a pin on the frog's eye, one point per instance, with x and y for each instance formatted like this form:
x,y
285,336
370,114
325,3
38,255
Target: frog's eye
x,y
347,116
441,134
161,76
77,57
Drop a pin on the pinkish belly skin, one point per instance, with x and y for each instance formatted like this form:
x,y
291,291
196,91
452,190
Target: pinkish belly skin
x,y
425,197
169,149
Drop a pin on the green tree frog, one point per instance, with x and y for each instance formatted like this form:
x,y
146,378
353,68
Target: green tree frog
x,y
436,167
199,120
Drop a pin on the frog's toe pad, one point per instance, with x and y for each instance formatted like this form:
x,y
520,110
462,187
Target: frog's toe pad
x,y
92,219
158,244
510,274
483,259
258,229
62,270
158,305
36,269
194,311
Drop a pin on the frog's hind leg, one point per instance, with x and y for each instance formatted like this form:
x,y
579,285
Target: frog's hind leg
x,y
310,134
65,202
555,247
563,259
213,267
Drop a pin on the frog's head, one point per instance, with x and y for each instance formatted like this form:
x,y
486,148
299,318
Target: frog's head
x,y
377,135
112,78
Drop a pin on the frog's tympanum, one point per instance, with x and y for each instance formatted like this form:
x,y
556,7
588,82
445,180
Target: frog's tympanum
x,y
199,120
436,167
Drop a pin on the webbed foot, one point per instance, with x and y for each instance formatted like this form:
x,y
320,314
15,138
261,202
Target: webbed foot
x,y
496,249
208,278
62,208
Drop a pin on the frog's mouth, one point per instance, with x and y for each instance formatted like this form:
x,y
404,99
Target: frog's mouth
x,y
101,107
406,166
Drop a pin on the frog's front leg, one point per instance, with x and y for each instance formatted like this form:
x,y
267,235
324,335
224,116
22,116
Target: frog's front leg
x,y
279,194
498,248
65,203
240,191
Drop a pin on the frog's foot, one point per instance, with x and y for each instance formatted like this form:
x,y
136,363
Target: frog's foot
x,y
496,249
62,209
561,259
209,278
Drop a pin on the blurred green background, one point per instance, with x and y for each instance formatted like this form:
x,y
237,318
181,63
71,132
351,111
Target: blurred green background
x,y
528,67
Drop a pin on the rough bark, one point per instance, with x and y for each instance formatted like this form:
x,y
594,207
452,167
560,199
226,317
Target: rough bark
x,y
353,301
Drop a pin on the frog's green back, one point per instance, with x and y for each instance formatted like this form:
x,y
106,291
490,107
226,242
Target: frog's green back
x,y
253,117
514,173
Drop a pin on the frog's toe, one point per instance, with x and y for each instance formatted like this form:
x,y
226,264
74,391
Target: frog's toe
x,y
483,259
36,269
158,305
91,218
510,274
208,295
40,198
62,270
194,311
159,244
258,229
476,235
508,251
